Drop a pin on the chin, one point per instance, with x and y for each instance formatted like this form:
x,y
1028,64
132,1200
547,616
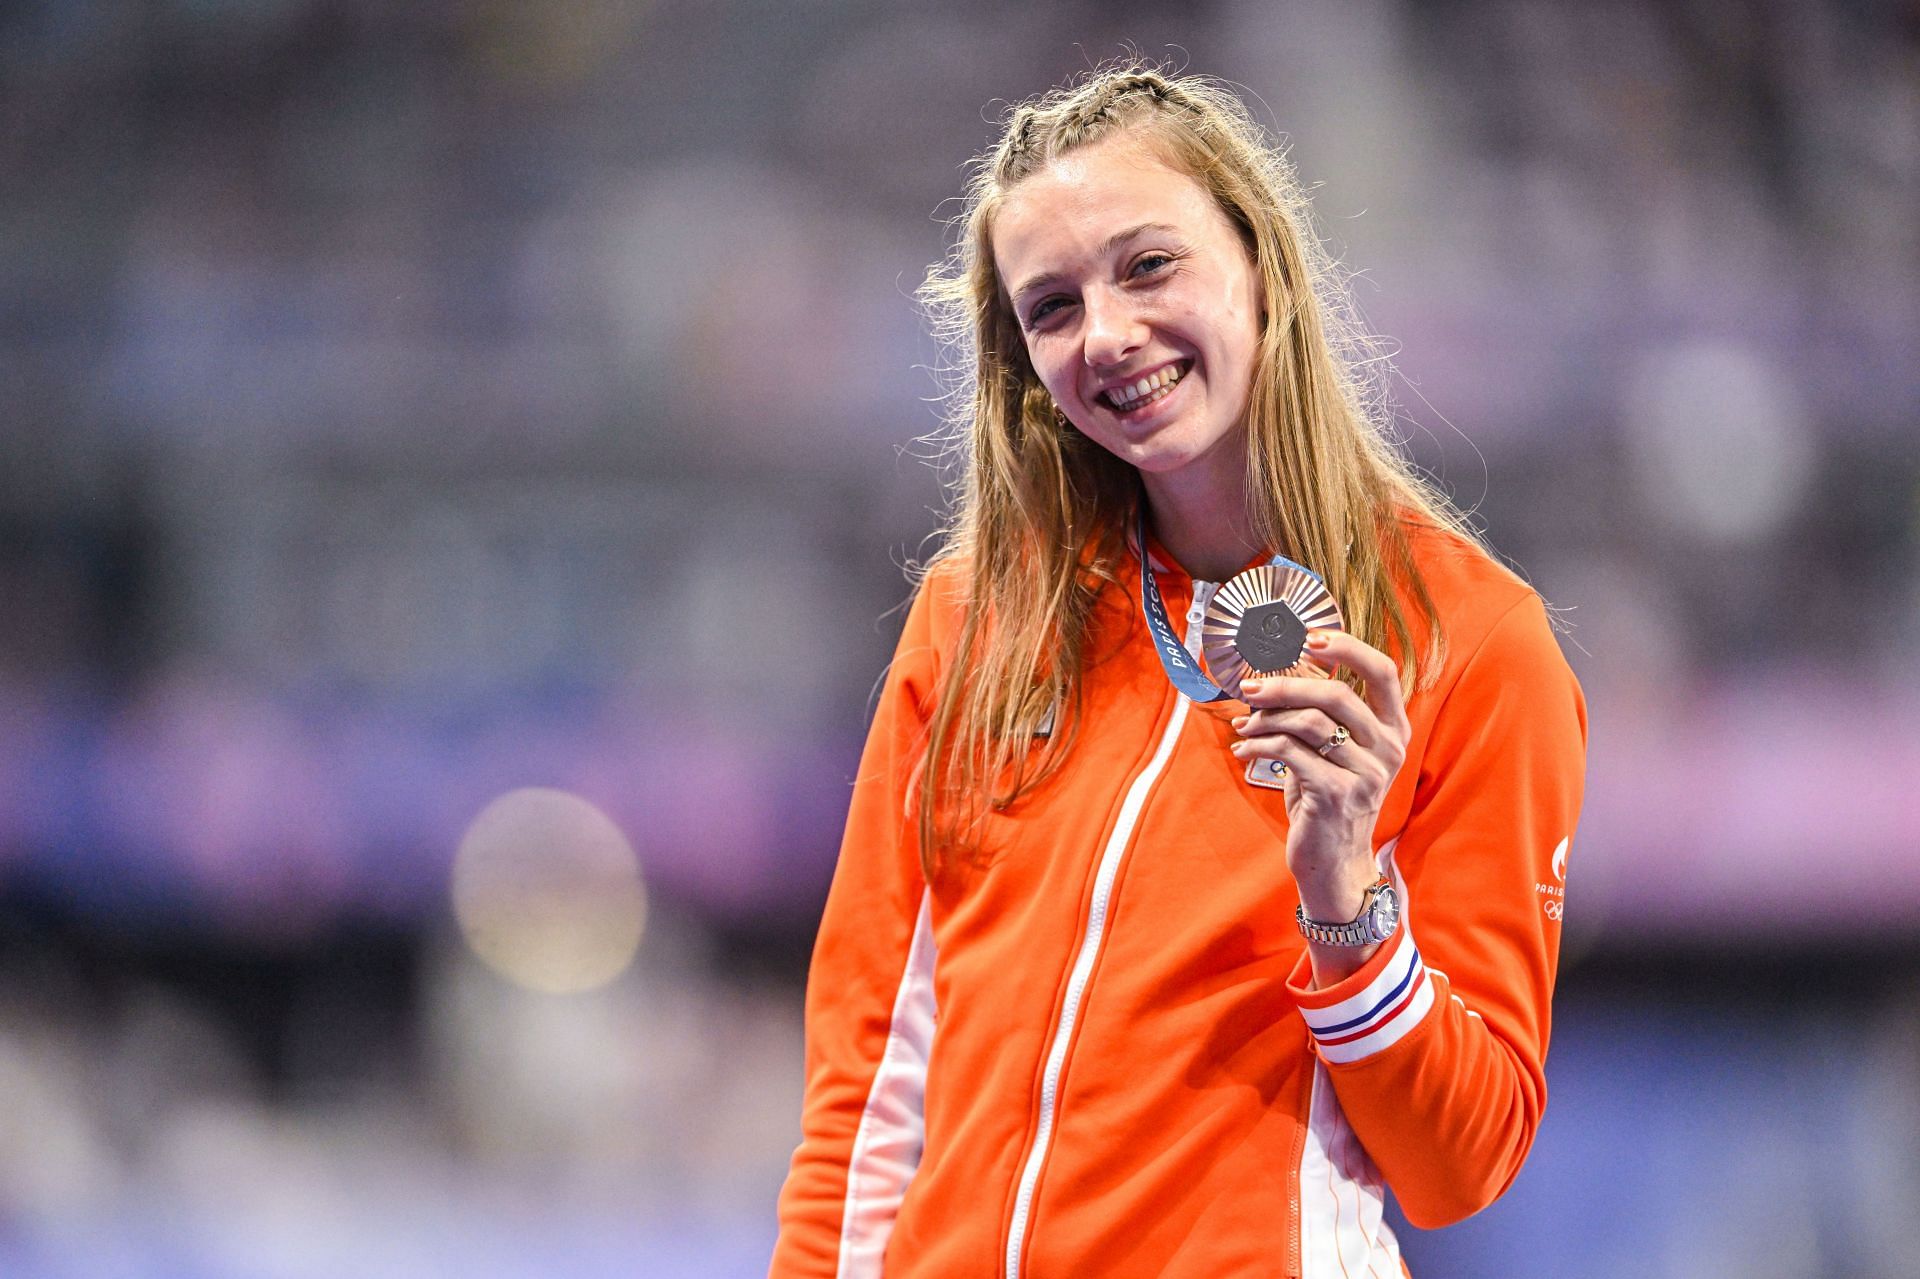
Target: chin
x,y
1155,462
1164,457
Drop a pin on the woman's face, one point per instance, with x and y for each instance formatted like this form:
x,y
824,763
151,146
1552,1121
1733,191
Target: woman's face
x,y
1140,305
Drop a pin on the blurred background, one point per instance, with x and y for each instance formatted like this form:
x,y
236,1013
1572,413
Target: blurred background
x,y
456,461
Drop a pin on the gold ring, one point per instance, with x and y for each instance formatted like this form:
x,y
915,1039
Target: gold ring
x,y
1338,739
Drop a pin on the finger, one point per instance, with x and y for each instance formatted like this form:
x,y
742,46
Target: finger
x,y
1348,756
1330,697
1339,768
1310,724
1308,766
1376,670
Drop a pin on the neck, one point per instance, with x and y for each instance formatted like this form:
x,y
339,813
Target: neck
x,y
1203,528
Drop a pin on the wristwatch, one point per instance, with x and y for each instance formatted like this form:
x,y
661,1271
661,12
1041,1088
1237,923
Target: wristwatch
x,y
1379,916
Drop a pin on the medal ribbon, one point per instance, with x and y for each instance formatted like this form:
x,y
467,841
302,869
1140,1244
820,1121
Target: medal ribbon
x,y
1184,672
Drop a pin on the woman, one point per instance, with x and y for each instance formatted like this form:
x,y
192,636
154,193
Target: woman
x,y
1101,989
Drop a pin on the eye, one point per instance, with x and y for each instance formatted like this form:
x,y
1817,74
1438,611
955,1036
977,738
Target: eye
x,y
1150,263
1046,307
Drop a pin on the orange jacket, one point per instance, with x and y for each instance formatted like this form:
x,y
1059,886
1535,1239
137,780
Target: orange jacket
x,y
1132,1074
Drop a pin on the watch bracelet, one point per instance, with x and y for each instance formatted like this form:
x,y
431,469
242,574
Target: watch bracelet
x,y
1355,932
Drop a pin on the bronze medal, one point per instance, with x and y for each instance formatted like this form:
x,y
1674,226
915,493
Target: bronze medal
x,y
1257,624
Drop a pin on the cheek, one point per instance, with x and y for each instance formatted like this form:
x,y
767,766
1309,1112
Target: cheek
x,y
1234,328
1252,307
1054,373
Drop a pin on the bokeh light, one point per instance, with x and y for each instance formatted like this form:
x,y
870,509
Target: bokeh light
x,y
548,892
1720,442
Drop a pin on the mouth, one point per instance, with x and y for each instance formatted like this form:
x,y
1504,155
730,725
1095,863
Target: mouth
x,y
1145,391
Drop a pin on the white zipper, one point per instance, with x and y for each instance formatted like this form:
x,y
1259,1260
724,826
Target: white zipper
x,y
1110,859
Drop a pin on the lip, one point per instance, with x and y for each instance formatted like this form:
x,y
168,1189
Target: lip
x,y
1152,412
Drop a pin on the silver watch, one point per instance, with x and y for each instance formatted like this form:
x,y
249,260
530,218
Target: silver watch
x,y
1379,916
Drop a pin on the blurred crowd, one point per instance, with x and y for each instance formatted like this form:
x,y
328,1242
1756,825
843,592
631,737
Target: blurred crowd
x,y
411,405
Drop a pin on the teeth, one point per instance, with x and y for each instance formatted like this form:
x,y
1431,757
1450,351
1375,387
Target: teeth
x,y
1129,396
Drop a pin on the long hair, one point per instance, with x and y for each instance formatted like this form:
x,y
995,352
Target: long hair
x,y
1038,516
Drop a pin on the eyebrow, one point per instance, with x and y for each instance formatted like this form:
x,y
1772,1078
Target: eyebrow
x,y
1107,246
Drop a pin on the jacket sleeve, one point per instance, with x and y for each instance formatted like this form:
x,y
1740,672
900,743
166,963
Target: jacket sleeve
x,y
1435,1048
869,1003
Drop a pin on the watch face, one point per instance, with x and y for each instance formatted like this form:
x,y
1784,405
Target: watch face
x,y
1384,915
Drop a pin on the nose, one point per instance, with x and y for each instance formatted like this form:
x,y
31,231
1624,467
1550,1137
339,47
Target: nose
x,y
1114,331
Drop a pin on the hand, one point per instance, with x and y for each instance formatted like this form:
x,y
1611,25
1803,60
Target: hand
x,y
1333,800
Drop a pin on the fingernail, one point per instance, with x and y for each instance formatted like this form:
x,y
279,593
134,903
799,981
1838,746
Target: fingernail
x,y
1249,685
1240,722
1319,639
1240,748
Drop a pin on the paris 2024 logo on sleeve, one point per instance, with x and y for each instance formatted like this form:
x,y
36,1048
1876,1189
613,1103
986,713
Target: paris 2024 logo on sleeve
x,y
1554,895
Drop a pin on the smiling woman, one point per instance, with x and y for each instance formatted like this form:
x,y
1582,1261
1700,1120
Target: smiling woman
x,y
1105,986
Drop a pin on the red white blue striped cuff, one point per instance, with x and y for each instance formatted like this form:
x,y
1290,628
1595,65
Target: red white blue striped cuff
x,y
1394,992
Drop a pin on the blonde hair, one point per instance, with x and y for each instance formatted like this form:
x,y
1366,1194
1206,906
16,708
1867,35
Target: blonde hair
x,y
1038,519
